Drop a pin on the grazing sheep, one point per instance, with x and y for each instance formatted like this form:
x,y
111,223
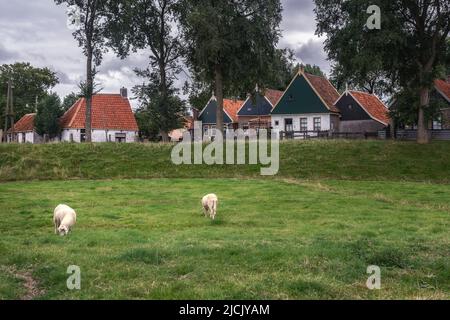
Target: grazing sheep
x,y
64,218
209,203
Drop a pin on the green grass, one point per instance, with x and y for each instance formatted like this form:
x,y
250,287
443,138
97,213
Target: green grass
x,y
273,239
347,160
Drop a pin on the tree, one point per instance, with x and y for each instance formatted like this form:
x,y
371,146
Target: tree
x,y
30,83
89,18
47,117
282,69
161,110
311,69
148,24
230,43
408,49
70,100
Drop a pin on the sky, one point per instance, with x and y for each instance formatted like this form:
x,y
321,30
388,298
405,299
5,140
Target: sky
x,y
36,31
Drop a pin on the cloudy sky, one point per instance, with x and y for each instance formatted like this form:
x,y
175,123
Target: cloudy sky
x,y
36,31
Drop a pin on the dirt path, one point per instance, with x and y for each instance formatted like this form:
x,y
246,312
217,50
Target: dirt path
x,y
29,283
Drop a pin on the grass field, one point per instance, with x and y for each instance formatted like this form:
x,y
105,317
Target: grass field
x,y
345,160
273,239
335,208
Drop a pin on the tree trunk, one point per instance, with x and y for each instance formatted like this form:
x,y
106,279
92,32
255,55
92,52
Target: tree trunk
x,y
89,92
165,136
219,97
423,136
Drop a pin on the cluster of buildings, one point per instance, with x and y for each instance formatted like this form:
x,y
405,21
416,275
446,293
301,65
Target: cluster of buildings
x,y
309,107
113,120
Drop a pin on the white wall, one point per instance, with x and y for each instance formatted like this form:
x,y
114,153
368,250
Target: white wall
x,y
98,135
325,121
29,137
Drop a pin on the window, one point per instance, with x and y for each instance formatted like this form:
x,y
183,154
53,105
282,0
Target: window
x,y
83,135
303,124
277,123
288,125
437,124
121,137
213,131
205,130
291,97
317,124
350,107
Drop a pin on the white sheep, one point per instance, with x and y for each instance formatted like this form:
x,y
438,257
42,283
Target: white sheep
x,y
64,218
209,203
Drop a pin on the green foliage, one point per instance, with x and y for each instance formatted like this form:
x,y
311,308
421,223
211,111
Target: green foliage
x,y
70,100
148,129
239,38
29,83
48,114
165,112
148,24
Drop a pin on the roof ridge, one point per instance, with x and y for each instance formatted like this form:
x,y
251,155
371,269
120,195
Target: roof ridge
x,y
77,109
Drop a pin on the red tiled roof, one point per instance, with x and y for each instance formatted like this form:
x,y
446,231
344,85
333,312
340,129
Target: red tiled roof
x,y
109,111
325,89
443,87
376,109
25,124
232,107
273,96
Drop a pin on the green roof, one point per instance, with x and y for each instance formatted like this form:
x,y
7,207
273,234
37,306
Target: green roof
x,y
208,115
300,98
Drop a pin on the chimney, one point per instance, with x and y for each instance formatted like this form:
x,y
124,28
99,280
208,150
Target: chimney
x,y
124,92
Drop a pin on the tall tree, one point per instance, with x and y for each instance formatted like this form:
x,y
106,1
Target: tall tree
x,y
408,49
47,118
148,25
230,43
30,84
89,18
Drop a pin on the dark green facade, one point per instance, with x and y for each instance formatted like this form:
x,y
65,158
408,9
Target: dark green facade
x,y
300,98
208,116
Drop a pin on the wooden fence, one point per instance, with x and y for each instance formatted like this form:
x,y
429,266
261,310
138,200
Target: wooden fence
x,y
412,134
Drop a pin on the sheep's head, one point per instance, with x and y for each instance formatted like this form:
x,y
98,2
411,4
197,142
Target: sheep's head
x,y
63,230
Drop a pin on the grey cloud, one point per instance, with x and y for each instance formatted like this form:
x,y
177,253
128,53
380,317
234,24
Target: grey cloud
x,y
64,78
6,55
36,31
312,53
298,15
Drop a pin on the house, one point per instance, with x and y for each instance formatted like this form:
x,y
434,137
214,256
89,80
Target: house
x,y
230,117
442,94
24,131
112,120
361,112
177,134
307,105
255,111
